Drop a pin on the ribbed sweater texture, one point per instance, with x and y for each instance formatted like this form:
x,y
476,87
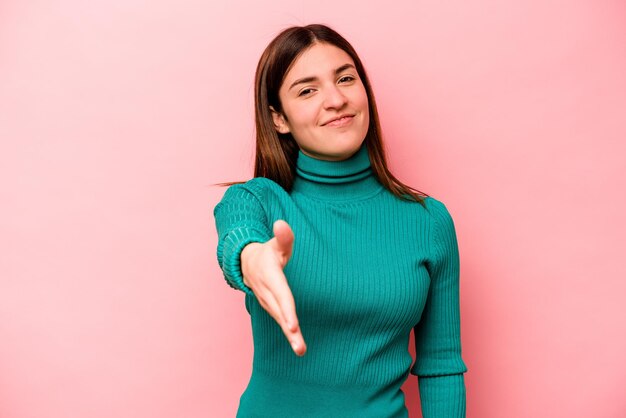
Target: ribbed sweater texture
x,y
366,268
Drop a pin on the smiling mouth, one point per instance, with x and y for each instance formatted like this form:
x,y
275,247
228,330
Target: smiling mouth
x,y
340,122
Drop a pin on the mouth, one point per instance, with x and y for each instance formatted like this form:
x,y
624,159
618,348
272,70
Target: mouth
x,y
340,120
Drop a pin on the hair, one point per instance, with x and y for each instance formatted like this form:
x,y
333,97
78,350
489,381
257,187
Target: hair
x,y
276,154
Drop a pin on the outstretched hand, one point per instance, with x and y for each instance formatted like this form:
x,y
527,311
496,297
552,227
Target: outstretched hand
x,y
262,266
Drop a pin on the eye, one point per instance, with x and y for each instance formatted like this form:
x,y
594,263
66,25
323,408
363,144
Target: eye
x,y
346,79
305,92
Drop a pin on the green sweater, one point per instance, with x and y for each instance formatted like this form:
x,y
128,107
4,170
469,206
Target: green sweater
x,y
366,268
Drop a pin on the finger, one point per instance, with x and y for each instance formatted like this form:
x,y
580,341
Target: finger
x,y
271,305
281,293
284,237
284,297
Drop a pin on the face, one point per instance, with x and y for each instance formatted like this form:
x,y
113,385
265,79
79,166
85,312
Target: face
x,y
324,104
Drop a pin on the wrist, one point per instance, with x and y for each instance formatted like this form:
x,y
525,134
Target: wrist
x,y
245,256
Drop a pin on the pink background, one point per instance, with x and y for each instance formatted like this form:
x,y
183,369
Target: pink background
x,y
116,117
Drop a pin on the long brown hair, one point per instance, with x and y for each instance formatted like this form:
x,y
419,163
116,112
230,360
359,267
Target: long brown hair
x,y
276,154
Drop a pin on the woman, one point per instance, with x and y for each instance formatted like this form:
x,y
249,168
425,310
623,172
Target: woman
x,y
324,230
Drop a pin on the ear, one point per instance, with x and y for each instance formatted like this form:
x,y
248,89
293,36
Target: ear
x,y
280,123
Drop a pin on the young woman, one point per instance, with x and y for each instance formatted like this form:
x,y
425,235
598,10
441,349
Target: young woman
x,y
338,259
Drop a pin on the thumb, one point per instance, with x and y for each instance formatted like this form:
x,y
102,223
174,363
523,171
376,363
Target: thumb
x,y
284,237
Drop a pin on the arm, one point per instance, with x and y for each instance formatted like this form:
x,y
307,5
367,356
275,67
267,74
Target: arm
x,y
239,220
439,364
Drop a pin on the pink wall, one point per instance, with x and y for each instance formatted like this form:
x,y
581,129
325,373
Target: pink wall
x,y
117,116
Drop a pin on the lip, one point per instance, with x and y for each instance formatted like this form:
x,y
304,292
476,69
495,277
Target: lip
x,y
340,120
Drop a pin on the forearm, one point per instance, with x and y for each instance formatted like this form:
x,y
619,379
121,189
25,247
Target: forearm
x,y
443,396
245,256
235,250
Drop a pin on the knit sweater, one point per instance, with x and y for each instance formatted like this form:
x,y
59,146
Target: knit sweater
x,y
366,268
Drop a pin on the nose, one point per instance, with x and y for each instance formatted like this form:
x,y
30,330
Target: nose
x,y
334,98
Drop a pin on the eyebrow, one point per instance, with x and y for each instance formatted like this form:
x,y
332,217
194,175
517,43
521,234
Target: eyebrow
x,y
310,79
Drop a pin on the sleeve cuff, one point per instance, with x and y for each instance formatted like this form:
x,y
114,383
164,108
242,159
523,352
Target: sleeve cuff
x,y
234,244
443,396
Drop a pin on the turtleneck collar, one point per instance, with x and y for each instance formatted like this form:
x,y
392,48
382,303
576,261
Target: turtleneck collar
x,y
350,179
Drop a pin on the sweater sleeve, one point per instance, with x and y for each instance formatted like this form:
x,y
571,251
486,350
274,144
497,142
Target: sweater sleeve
x,y
239,219
439,365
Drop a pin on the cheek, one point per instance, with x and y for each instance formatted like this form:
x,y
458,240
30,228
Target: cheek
x,y
359,99
301,115
364,101
364,105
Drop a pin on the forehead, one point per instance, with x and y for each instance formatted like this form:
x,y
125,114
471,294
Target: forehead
x,y
319,60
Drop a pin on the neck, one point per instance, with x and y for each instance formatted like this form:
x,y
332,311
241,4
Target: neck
x,y
349,179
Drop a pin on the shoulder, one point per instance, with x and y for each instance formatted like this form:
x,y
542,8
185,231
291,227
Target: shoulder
x,y
263,186
442,221
430,209
436,207
439,214
430,206
258,188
